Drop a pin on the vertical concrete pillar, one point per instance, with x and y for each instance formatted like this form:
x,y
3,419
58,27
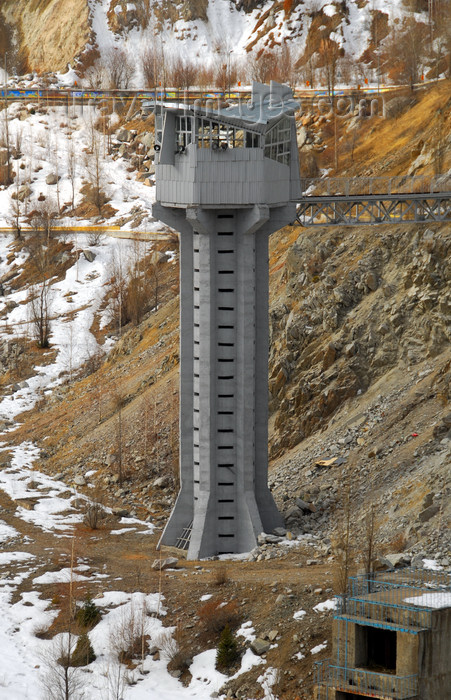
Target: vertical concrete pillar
x,y
224,496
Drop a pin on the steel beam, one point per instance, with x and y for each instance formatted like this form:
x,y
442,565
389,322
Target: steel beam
x,y
358,210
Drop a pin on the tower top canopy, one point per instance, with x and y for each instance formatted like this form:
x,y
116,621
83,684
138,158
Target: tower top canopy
x,y
267,104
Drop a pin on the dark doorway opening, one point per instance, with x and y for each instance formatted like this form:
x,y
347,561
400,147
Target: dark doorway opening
x,y
382,649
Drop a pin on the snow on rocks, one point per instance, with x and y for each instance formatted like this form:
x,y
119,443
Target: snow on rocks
x,y
326,605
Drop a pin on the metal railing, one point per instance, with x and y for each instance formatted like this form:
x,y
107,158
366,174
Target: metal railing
x,y
368,186
368,683
396,581
390,615
404,598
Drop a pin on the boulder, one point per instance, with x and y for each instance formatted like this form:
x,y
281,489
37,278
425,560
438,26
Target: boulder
x,y
162,564
260,646
124,136
89,255
120,512
305,507
22,193
79,481
51,179
428,513
371,280
398,560
382,564
147,139
279,531
161,482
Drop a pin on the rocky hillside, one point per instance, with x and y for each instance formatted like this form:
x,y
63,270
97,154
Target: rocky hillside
x,y
213,33
360,431
359,368
64,24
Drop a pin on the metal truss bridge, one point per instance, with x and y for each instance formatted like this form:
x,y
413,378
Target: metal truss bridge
x,y
379,200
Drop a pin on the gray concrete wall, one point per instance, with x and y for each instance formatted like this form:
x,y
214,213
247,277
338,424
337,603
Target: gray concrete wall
x,y
407,653
434,658
235,177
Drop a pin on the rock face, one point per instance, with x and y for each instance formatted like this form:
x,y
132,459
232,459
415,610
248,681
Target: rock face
x,y
350,312
63,23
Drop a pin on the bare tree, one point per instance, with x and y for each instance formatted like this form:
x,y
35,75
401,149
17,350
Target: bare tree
x,y
343,545
95,75
150,66
118,404
39,300
16,209
263,67
370,535
72,169
330,54
119,69
44,216
402,51
94,172
6,168
62,681
182,73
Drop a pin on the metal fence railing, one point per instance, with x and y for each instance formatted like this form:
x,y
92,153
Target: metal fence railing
x,y
396,581
386,614
404,598
365,682
367,186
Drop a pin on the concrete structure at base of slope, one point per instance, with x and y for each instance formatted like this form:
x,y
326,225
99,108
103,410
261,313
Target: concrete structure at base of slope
x,y
225,179
391,639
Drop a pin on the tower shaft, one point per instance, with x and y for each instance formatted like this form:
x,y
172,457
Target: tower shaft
x,y
223,384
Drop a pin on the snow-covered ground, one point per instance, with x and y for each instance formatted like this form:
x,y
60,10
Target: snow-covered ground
x,y
228,31
47,142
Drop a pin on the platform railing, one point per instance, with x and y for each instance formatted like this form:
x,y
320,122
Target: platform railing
x,y
386,614
403,598
368,186
398,580
363,682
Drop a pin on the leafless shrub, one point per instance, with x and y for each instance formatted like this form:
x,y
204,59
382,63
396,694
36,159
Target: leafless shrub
x,y
95,238
167,644
221,575
94,514
94,362
60,680
127,637
216,614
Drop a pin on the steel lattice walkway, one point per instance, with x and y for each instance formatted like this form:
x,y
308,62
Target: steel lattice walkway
x,y
354,210
358,201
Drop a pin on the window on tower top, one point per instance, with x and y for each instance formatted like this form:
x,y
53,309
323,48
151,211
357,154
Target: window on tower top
x,y
217,135
278,142
183,132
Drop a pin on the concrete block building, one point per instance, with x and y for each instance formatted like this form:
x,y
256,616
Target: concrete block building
x,y
391,639
226,179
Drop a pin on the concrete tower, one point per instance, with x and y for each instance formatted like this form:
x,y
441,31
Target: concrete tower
x,y
226,179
